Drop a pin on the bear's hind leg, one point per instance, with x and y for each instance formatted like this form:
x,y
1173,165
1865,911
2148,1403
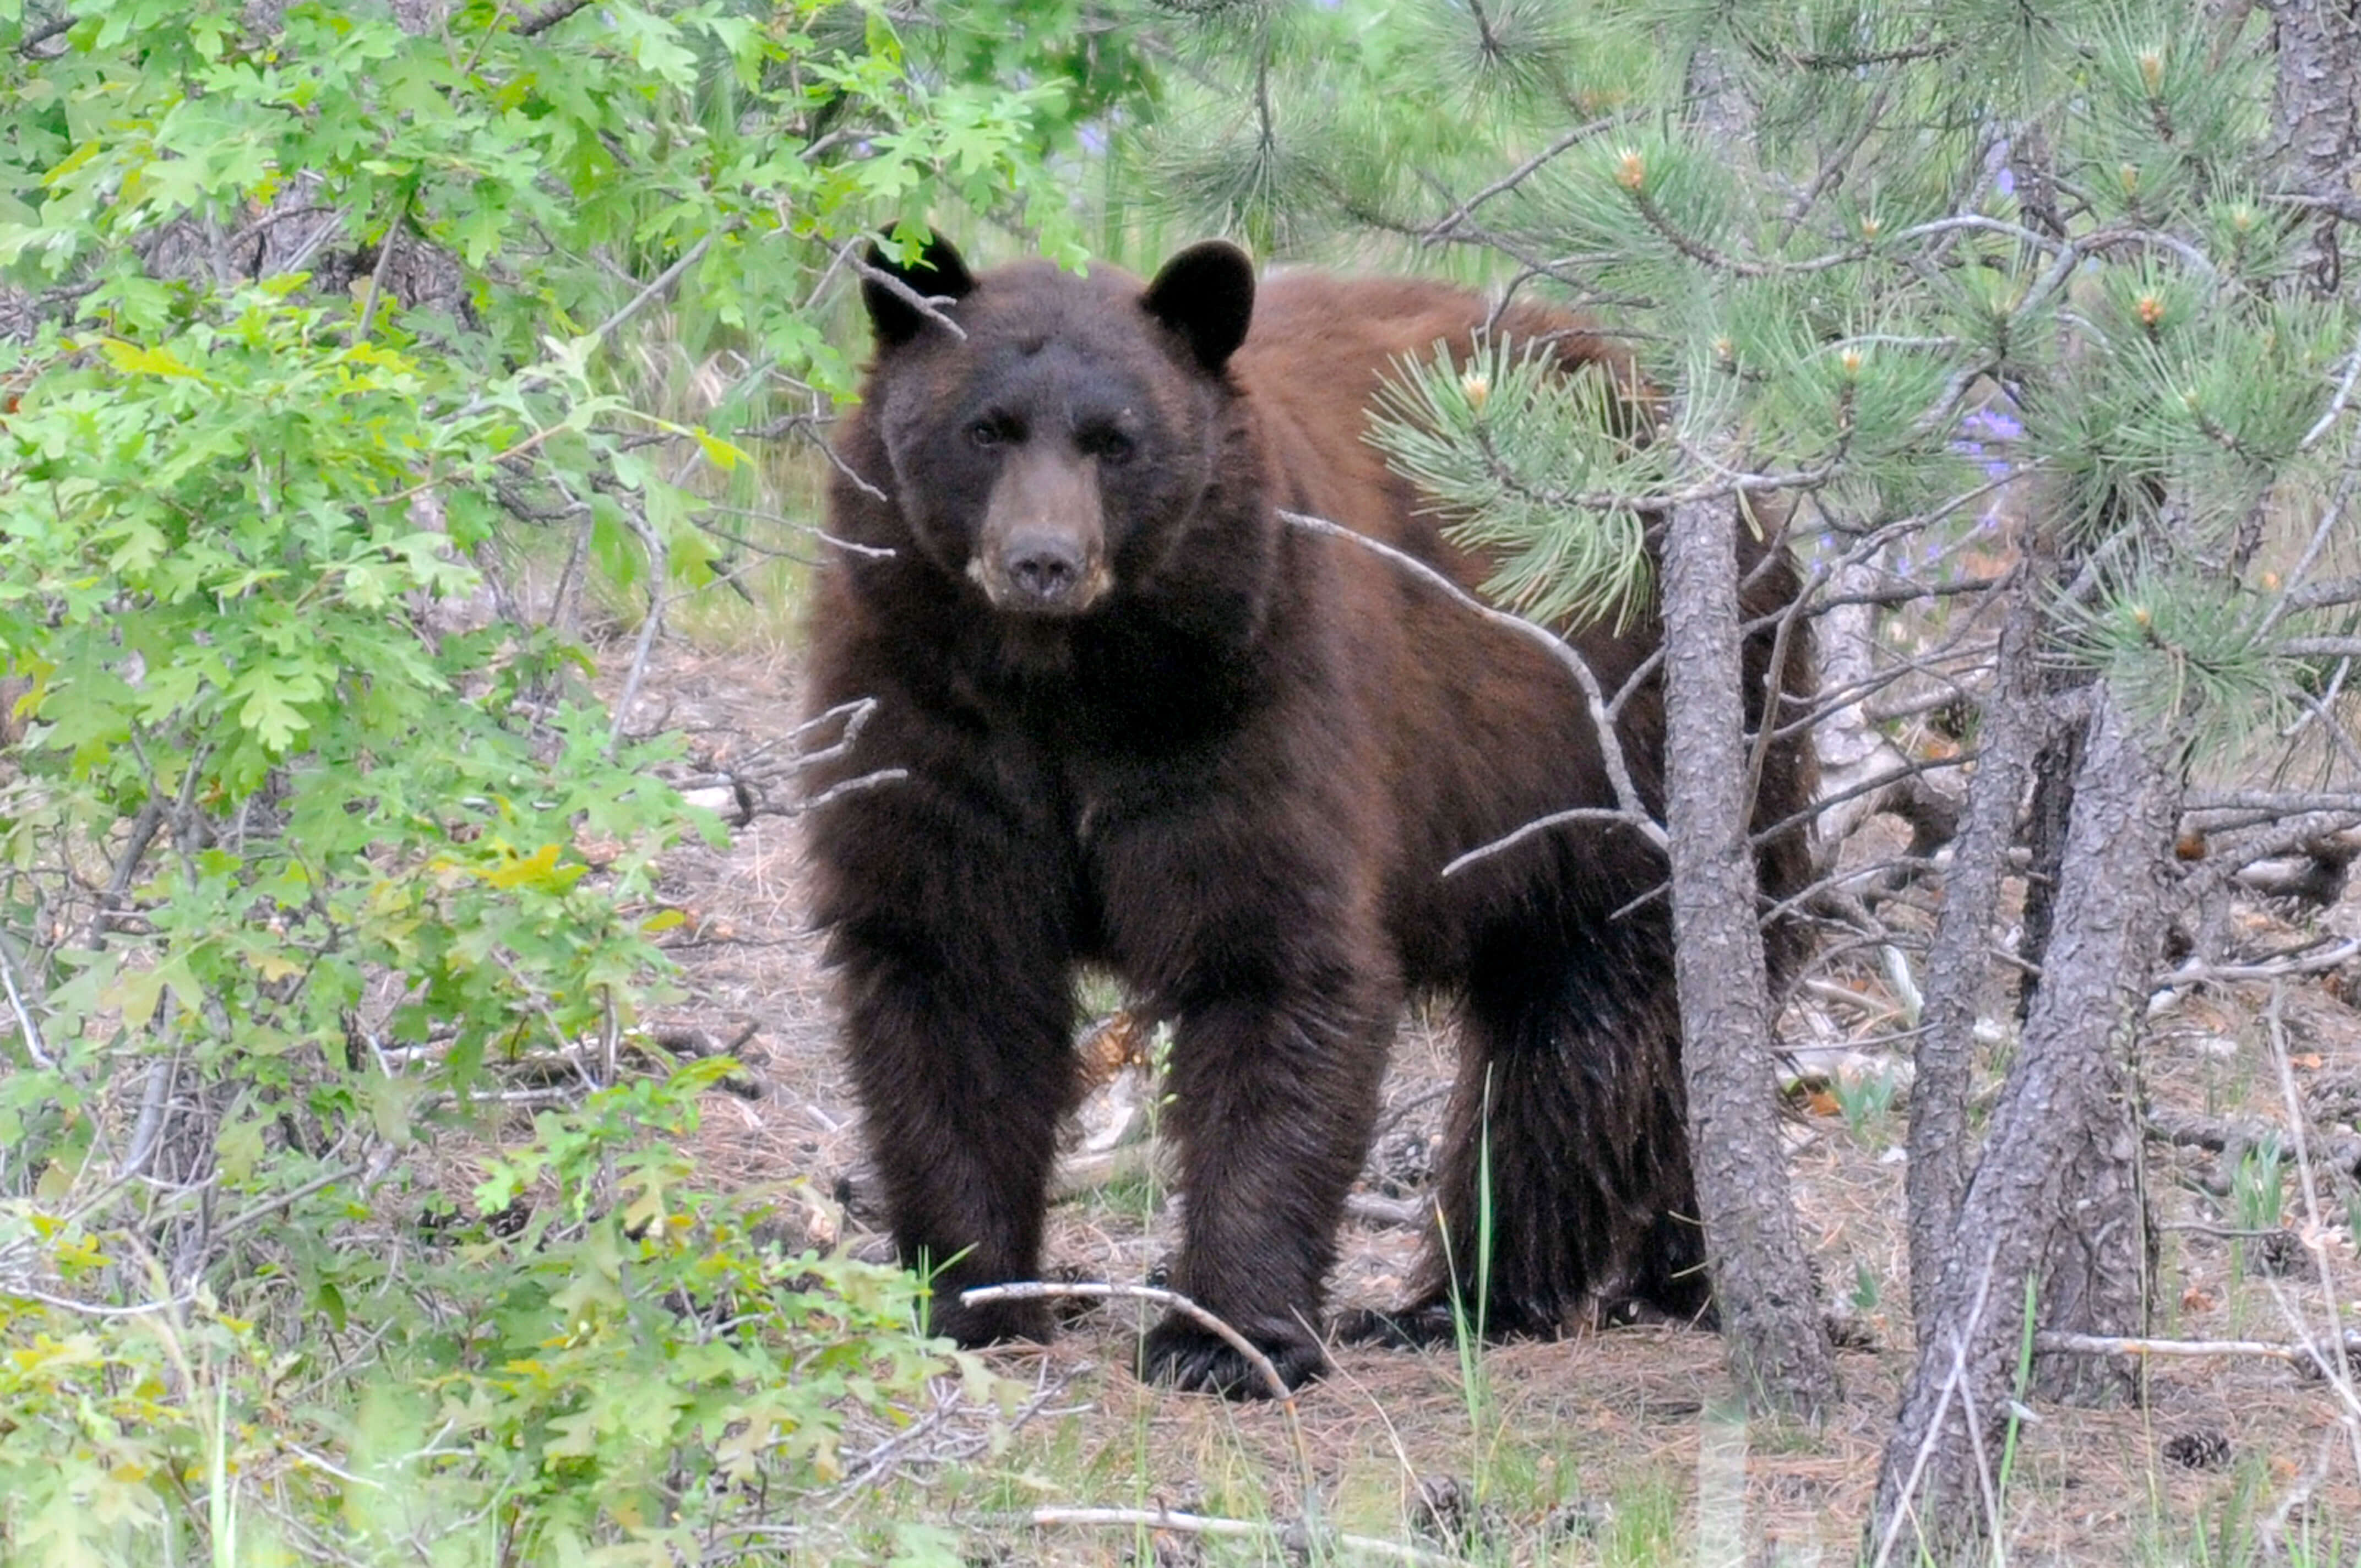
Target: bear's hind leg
x,y
1566,1161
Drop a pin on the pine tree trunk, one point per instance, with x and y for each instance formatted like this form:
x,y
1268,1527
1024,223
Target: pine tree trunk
x,y
2035,1183
1959,958
2098,1275
2317,114
2055,765
1770,1314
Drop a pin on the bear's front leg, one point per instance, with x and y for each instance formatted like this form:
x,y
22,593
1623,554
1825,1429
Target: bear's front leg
x,y
947,931
1279,1049
963,1074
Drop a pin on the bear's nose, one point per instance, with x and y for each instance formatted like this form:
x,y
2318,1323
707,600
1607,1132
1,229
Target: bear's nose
x,y
1044,567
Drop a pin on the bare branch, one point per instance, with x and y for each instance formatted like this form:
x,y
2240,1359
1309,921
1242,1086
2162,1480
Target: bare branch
x,y
1296,1542
2275,803
1172,1301
2193,972
928,305
144,828
663,281
1898,1511
32,1031
41,33
659,569
2052,1342
2328,416
1540,825
548,17
2337,1369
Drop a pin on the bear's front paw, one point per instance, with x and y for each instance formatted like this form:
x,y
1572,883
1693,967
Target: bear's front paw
x,y
1187,1356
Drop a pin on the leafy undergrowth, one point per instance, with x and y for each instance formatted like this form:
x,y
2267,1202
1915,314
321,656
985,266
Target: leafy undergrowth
x,y
592,1359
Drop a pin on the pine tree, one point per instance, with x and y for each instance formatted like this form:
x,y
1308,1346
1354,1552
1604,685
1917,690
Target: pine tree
x,y
2048,292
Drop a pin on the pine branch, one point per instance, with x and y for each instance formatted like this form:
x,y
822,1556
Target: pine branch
x,y
1445,225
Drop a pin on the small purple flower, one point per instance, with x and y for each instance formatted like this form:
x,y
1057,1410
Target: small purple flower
x,y
1992,425
1996,165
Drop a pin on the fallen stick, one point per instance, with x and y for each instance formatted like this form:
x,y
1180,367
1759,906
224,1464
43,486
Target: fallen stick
x,y
2294,1355
1294,1539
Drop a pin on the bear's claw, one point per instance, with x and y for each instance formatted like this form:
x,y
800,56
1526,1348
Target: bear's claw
x,y
1182,1354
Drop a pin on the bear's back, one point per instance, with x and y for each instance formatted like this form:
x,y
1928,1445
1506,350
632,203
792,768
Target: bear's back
x,y
1319,353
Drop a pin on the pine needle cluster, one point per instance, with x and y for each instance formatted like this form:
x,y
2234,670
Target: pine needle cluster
x,y
1528,463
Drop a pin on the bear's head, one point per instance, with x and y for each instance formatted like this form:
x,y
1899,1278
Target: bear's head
x,y
1051,435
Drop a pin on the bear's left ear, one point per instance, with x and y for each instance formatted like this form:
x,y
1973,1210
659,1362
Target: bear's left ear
x,y
1206,294
938,272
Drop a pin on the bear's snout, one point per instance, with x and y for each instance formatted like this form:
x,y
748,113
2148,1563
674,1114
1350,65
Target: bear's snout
x,y
1047,567
1043,546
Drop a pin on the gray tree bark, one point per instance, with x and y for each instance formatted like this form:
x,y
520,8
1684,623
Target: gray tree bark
x,y
2036,1179
2316,115
1960,959
2099,1270
2056,762
1771,1315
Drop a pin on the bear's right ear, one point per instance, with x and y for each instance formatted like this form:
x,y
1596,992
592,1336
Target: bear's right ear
x,y
938,272
1206,294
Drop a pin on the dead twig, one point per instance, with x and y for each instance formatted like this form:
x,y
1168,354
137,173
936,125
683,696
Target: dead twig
x,y
1443,227
1094,1290
2336,1368
1954,1384
928,305
2053,1341
32,1031
2195,972
659,569
1296,1541
661,283
2341,1152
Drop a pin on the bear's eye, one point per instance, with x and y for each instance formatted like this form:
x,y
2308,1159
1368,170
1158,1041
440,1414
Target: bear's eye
x,y
1108,444
985,432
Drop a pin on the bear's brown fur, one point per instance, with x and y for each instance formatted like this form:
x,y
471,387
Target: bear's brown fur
x,y
1143,723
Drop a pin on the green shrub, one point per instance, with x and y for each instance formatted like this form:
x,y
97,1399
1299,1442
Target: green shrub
x,y
317,340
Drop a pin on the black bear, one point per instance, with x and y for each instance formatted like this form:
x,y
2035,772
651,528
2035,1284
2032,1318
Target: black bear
x,y
1141,722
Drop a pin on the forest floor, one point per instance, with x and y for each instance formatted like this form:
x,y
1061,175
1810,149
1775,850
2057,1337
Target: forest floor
x,y
1619,1446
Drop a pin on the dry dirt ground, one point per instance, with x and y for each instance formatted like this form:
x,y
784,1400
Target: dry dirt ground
x,y
1615,1446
